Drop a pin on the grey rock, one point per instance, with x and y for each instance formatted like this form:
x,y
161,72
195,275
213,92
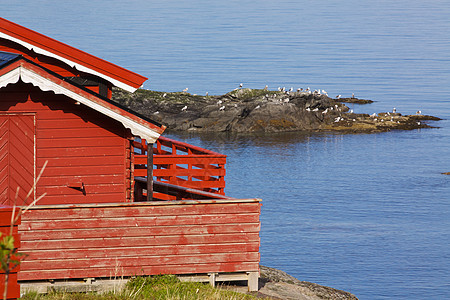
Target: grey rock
x,y
247,110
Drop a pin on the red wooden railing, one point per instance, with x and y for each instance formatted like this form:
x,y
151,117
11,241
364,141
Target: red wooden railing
x,y
181,164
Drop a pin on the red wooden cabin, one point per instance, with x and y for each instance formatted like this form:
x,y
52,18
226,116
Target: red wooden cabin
x,y
55,107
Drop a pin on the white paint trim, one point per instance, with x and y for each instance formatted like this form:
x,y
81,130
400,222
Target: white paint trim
x,y
69,62
45,84
11,77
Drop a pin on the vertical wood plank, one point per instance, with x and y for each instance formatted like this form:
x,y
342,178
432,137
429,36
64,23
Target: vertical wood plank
x,y
150,172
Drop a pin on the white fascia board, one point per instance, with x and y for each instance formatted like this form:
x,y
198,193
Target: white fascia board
x,y
78,66
45,84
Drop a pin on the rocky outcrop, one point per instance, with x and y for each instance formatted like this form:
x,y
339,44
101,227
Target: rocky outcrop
x,y
277,284
249,110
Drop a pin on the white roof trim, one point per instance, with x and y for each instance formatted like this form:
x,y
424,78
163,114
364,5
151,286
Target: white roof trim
x,y
45,84
69,62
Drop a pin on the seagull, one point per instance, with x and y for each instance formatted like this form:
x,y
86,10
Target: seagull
x,y
351,111
373,115
337,119
325,111
240,86
184,108
353,95
315,109
185,90
286,100
394,110
279,89
222,107
257,107
266,87
156,112
219,102
206,94
308,109
298,90
291,89
418,113
164,95
338,96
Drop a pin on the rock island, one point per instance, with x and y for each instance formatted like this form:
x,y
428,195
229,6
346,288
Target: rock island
x,y
262,110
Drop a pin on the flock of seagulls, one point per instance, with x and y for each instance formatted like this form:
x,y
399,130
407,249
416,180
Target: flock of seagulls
x,y
301,90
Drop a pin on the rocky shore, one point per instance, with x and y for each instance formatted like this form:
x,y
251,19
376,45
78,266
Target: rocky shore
x,y
252,110
276,284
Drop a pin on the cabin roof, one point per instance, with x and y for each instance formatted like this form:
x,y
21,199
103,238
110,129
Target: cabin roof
x,y
76,58
6,57
15,67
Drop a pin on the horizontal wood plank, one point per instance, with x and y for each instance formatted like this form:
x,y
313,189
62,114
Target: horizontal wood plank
x,y
61,227
81,151
140,229
84,170
86,179
89,188
133,251
144,210
118,271
144,260
139,241
81,199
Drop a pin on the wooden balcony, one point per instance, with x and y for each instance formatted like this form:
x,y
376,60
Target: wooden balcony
x,y
179,164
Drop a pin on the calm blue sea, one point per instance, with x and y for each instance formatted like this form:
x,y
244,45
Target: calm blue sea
x,y
369,214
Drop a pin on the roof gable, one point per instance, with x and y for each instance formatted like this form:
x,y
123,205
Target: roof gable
x,y
15,68
76,58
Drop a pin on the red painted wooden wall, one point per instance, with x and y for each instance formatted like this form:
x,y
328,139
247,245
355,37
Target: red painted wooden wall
x,y
88,153
5,224
176,237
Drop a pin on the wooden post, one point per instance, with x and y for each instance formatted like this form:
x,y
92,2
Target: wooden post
x,y
252,283
149,172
